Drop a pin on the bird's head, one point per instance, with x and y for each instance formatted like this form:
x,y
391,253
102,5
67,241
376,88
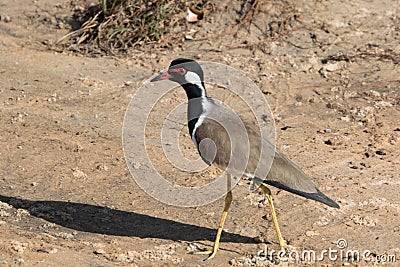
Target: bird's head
x,y
186,72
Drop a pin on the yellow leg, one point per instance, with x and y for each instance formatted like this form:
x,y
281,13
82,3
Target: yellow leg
x,y
282,242
228,201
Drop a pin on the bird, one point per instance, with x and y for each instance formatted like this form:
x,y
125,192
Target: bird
x,y
202,110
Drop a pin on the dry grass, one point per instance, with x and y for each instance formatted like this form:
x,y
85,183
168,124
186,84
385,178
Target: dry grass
x,y
115,25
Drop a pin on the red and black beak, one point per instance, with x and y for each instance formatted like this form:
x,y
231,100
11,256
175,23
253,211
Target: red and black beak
x,y
162,76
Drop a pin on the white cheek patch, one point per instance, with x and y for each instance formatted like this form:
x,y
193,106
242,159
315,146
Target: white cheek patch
x,y
193,78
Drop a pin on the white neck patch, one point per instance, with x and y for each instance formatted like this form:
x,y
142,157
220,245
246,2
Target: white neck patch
x,y
206,106
193,78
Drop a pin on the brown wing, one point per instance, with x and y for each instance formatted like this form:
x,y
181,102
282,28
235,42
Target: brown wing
x,y
210,129
278,169
286,172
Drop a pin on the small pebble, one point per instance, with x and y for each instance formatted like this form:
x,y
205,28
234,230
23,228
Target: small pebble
x,y
331,67
345,118
79,174
335,141
48,250
374,93
311,233
5,18
99,251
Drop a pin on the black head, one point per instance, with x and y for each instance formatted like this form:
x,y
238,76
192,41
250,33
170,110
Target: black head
x,y
185,68
186,72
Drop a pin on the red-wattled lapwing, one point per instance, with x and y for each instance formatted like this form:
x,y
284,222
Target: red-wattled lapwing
x,y
283,174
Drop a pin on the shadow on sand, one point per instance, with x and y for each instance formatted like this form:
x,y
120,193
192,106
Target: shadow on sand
x,y
103,220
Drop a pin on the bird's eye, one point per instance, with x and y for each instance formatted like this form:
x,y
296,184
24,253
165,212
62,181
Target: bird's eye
x,y
180,71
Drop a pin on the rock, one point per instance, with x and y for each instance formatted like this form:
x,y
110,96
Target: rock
x,y
5,18
345,118
18,246
99,251
78,173
334,141
374,93
331,67
189,37
352,166
323,72
5,206
4,213
233,262
349,94
193,247
47,250
64,235
363,111
383,104
22,212
102,167
334,105
120,257
311,233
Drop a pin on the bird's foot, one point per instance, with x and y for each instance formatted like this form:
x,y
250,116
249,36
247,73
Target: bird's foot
x,y
210,253
283,244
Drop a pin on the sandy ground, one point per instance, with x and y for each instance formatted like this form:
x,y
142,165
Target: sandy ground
x,y
330,72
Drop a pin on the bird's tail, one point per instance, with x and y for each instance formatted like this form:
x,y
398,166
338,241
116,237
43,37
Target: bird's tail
x,y
318,196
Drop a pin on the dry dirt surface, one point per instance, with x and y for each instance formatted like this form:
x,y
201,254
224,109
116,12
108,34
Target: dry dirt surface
x,y
330,72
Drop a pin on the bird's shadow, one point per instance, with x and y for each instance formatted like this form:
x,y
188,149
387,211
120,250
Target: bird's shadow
x,y
103,220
